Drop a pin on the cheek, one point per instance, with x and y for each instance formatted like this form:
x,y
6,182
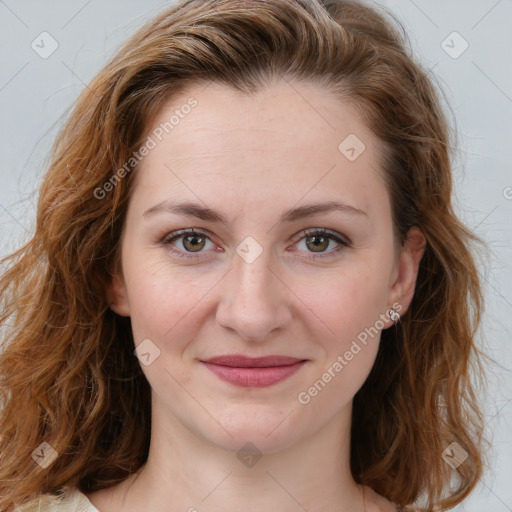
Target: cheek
x,y
347,301
161,295
164,309
161,307
347,314
347,328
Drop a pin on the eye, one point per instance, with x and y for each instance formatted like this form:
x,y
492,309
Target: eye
x,y
316,240
192,242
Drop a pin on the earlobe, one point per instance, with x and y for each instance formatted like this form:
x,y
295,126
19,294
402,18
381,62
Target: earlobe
x,y
117,296
402,290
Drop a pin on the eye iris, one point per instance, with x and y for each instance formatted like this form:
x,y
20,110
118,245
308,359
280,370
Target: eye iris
x,y
323,240
195,246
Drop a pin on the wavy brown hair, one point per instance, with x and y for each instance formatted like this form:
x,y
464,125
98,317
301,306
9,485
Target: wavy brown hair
x,y
68,374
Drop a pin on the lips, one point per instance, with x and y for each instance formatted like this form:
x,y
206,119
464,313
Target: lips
x,y
253,372
239,361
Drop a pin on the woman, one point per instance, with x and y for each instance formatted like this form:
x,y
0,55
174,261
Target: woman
x,y
247,288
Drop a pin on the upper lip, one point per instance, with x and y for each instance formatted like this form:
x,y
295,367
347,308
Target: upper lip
x,y
240,361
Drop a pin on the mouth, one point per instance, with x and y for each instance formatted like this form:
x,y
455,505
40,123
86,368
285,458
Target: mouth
x,y
253,372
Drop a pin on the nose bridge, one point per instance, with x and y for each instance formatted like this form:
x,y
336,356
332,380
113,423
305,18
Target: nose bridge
x,y
252,278
253,300
251,271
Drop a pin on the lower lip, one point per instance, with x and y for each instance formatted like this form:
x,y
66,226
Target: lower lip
x,y
254,377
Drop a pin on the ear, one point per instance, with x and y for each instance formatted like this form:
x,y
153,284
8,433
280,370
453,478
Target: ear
x,y
117,295
406,270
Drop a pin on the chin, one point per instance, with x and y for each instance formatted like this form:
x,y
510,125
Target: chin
x,y
268,433
246,441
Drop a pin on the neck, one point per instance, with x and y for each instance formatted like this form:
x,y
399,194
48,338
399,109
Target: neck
x,y
187,472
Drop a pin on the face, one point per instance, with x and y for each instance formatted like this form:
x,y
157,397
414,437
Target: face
x,y
271,277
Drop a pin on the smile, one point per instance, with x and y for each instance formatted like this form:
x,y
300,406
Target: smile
x,y
253,372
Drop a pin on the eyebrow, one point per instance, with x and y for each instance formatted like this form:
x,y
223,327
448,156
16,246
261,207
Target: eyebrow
x,y
191,209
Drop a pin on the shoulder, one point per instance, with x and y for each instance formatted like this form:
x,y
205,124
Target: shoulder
x,y
377,503
71,499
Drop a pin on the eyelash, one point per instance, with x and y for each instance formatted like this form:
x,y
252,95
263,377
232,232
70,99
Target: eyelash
x,y
167,241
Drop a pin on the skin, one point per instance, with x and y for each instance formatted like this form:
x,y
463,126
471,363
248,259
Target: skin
x,y
252,158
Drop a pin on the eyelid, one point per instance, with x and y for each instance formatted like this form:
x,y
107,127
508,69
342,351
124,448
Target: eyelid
x,y
323,231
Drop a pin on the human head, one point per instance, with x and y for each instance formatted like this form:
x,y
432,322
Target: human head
x,y
248,284
352,51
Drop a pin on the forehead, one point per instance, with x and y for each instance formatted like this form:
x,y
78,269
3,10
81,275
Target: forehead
x,y
287,138
283,114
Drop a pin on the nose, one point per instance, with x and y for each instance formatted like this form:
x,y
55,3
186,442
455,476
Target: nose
x,y
255,302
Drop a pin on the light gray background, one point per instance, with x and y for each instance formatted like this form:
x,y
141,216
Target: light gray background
x,y
35,93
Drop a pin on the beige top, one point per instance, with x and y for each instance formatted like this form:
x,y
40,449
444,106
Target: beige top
x,y
71,501
74,501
